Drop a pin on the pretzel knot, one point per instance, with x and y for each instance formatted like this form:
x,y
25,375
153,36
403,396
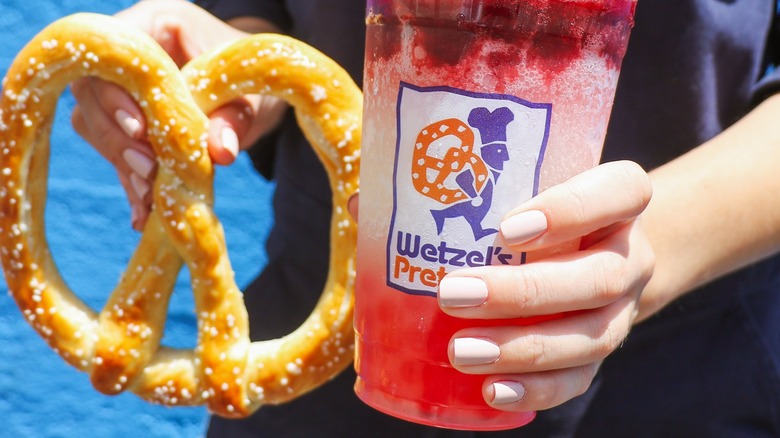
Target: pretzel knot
x,y
119,346
432,172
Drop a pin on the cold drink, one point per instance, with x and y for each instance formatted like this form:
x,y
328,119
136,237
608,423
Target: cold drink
x,y
471,108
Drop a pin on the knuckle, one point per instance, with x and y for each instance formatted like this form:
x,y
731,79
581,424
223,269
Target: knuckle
x,y
529,285
610,335
612,277
79,87
637,184
584,378
613,339
576,201
561,386
647,263
78,122
534,351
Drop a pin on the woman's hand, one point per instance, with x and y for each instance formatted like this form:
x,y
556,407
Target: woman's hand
x,y
595,290
109,119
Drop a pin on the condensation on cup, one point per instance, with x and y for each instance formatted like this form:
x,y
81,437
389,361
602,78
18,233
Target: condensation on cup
x,y
471,108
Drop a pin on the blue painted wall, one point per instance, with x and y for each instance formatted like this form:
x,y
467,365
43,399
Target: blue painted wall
x,y
89,233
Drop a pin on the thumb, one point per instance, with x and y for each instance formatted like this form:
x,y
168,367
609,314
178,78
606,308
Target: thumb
x,y
353,205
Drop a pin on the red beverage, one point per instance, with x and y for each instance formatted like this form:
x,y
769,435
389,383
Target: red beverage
x,y
471,108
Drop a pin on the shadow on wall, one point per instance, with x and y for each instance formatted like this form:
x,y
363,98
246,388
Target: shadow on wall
x,y
88,228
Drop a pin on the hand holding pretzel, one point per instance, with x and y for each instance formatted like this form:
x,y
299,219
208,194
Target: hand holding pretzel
x,y
119,346
109,119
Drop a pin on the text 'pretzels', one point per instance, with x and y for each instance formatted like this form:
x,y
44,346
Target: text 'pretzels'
x,y
119,347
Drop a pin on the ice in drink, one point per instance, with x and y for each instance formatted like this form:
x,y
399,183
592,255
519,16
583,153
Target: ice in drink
x,y
471,108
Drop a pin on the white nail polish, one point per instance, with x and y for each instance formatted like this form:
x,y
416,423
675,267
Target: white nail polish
x,y
462,292
135,214
523,227
140,186
229,140
130,125
140,163
475,351
507,392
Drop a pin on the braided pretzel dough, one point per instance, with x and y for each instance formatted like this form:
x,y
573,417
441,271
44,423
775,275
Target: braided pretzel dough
x,y
119,347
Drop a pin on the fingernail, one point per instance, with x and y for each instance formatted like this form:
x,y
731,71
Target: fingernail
x,y
140,185
140,163
474,351
229,140
353,205
128,123
462,292
523,227
134,216
165,35
507,392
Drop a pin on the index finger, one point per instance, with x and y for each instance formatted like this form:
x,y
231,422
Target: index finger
x,y
104,104
595,199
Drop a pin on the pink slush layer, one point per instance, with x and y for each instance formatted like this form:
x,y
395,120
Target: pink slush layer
x,y
404,370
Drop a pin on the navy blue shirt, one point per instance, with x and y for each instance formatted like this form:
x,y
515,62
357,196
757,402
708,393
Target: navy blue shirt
x,y
706,365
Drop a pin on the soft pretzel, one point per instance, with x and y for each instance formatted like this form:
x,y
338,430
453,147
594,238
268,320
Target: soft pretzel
x,y
119,346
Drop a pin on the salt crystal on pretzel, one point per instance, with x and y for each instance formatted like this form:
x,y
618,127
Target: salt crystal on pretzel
x,y
119,346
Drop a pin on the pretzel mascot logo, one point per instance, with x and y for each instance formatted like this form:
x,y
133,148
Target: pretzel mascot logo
x,y
473,175
462,161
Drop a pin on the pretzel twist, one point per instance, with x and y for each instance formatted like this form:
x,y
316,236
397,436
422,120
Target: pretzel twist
x,y
431,174
120,346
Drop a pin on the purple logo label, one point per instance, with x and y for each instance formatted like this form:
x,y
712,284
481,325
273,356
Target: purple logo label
x,y
462,161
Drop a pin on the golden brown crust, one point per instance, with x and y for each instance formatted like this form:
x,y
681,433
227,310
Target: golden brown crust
x,y
119,346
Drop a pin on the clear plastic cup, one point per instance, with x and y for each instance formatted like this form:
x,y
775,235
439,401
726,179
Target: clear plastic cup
x,y
471,108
